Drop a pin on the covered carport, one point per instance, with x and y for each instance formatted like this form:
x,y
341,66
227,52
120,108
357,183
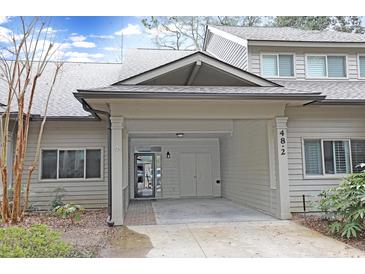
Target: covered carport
x,y
186,96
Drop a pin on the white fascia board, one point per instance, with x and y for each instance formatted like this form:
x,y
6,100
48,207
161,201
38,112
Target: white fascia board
x,y
306,44
228,36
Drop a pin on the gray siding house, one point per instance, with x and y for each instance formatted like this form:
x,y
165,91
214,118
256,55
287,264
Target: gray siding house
x,y
261,116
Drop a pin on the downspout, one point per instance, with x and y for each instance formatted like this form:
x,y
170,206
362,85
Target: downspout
x,y
95,113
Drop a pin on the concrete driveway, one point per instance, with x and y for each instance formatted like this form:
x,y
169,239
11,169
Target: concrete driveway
x,y
232,239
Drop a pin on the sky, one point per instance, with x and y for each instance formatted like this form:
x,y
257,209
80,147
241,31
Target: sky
x,y
89,38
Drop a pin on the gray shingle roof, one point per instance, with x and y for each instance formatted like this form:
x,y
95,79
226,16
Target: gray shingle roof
x,y
334,90
154,89
71,77
75,76
137,61
93,75
291,34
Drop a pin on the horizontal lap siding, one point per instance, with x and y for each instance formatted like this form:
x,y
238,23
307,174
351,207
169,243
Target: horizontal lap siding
x,y
228,51
57,134
245,166
317,122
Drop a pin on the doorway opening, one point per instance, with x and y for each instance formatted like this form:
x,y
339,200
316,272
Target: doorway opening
x,y
147,181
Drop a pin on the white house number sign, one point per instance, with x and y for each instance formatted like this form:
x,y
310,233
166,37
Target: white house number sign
x,y
282,138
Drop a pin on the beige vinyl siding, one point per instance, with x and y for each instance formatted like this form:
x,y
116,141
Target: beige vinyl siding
x,y
170,182
254,57
245,166
227,50
69,134
317,122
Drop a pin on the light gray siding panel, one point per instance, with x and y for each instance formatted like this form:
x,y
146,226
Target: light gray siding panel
x,y
70,134
254,57
245,166
228,51
317,122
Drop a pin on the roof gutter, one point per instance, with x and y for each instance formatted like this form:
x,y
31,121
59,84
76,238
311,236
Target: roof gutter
x,y
99,94
95,113
336,102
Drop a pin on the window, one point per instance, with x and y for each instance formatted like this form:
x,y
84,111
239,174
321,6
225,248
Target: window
x,y
71,164
357,155
362,66
313,159
326,157
275,65
323,66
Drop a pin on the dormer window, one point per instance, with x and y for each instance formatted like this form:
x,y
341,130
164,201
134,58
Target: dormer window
x,y
326,66
362,66
277,65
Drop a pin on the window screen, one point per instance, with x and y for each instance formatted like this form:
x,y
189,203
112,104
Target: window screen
x,y
49,164
316,66
93,163
313,161
71,164
362,66
336,66
358,155
270,65
286,65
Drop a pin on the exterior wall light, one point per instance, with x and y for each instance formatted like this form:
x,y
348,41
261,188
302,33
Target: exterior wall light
x,y
179,135
168,155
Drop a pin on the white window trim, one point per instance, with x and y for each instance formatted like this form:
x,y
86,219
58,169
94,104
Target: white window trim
x,y
326,55
72,179
277,64
358,66
324,175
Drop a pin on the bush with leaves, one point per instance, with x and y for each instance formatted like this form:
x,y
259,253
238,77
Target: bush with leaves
x,y
38,241
346,203
58,199
70,211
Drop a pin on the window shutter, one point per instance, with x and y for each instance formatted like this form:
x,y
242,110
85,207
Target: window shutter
x,y
336,66
362,66
342,156
313,161
286,66
269,66
316,66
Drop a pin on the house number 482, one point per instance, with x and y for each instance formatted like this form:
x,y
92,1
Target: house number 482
x,y
282,142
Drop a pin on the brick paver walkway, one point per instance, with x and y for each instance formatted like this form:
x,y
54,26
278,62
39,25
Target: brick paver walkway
x,y
140,213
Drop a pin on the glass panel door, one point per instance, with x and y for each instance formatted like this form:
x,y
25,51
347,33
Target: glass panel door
x,y
144,179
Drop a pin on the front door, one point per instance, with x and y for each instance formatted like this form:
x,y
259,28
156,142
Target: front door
x,y
144,177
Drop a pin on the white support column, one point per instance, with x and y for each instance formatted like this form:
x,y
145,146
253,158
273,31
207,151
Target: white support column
x,y
282,167
117,170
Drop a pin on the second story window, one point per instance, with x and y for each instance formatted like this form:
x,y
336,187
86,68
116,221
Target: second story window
x,y
326,66
277,65
362,66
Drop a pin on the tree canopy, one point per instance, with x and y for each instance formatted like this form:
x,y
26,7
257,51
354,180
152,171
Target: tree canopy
x,y
187,32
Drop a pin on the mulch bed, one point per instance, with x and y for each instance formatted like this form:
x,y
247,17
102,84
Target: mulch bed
x,y
88,235
318,223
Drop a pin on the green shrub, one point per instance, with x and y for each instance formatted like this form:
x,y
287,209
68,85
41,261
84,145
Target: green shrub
x,y
70,211
347,205
58,199
38,241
